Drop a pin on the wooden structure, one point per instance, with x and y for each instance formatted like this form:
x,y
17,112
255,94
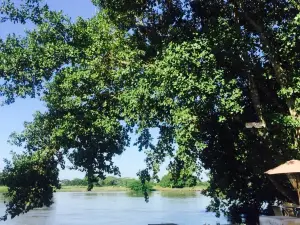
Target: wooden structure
x,y
292,170
278,220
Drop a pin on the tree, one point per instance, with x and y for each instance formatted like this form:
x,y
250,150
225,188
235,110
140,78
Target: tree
x,y
126,182
108,181
22,72
168,181
138,187
65,182
252,45
40,174
79,182
190,181
31,10
111,181
1,183
196,70
83,119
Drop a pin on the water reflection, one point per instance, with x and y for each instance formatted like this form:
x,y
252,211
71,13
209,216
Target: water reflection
x,y
175,194
135,194
91,194
120,208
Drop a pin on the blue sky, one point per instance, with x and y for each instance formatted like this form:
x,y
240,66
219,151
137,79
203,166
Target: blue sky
x,y
13,116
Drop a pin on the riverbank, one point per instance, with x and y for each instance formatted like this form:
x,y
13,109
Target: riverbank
x,y
185,189
114,188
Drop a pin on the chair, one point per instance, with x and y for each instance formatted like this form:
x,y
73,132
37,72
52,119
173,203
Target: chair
x,y
289,209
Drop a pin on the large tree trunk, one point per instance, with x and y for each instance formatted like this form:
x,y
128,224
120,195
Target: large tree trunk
x,y
254,94
279,73
278,70
256,100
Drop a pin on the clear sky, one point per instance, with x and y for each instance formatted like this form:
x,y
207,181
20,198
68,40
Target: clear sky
x,y
13,116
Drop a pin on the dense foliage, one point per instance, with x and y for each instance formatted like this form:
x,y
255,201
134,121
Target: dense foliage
x,y
74,182
195,70
167,181
1,182
138,187
108,181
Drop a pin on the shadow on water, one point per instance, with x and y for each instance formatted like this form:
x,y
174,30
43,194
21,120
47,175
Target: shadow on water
x,y
90,194
135,194
177,194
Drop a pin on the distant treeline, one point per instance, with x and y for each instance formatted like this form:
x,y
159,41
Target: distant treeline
x,y
109,181
132,183
187,181
166,181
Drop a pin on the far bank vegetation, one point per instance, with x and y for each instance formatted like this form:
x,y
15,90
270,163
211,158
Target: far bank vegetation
x,y
121,184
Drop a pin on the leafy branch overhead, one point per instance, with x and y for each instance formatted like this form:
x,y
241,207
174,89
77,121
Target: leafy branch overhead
x,y
197,71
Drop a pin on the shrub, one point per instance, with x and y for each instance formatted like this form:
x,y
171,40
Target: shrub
x,y
137,186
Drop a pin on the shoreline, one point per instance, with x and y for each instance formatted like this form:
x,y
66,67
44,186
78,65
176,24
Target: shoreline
x,y
185,189
3,189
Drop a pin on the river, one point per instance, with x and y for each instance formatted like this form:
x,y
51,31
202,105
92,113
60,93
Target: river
x,y
120,208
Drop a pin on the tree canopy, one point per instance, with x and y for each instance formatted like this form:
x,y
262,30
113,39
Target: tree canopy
x,y
195,70
108,181
168,181
1,183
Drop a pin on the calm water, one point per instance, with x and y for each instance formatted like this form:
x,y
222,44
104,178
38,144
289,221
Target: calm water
x,y
120,208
